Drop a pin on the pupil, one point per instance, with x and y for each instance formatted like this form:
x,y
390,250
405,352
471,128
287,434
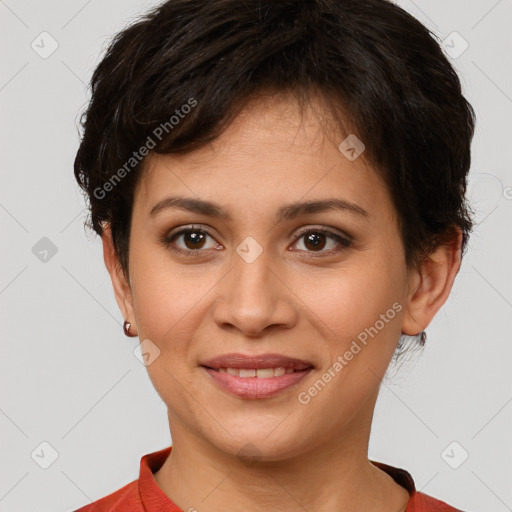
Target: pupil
x,y
194,238
313,238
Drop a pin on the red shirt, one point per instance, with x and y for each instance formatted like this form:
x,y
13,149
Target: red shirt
x,y
144,495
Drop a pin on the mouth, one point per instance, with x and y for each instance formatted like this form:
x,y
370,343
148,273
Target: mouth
x,y
261,376
236,361
259,373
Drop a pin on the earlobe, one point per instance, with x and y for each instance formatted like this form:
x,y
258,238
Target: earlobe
x,y
431,284
122,290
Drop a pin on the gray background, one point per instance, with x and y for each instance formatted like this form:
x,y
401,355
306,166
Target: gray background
x,y
68,374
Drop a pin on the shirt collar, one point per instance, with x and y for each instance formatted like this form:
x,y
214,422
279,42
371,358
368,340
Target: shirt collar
x,y
151,496
399,475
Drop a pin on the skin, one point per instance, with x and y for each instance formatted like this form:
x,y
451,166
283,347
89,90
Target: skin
x,y
309,456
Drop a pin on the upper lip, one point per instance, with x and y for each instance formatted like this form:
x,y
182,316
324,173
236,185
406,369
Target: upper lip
x,y
235,360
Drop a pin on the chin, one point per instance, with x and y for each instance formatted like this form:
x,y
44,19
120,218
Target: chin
x,y
260,445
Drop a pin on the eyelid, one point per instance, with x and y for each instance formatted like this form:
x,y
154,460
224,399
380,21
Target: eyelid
x,y
344,242
341,237
190,227
327,230
322,228
168,238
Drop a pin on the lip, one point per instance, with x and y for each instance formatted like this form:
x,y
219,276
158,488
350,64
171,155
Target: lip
x,y
254,387
236,360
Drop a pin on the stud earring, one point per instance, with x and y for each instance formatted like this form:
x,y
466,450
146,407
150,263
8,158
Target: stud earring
x,y
126,328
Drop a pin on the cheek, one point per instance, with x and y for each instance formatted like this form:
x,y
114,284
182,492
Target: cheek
x,y
347,301
358,318
167,305
358,315
166,296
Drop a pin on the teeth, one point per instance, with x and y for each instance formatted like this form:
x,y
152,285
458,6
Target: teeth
x,y
265,373
261,373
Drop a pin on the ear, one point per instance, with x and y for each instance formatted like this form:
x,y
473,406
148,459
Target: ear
x,y
120,283
431,283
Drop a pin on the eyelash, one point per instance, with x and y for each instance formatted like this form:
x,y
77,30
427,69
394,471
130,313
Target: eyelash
x,y
168,241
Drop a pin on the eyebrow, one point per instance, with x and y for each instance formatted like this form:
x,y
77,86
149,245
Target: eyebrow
x,y
286,212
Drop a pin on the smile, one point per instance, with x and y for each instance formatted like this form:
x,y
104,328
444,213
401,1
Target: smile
x,y
260,373
258,383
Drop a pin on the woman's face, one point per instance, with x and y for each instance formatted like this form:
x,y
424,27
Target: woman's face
x,y
262,278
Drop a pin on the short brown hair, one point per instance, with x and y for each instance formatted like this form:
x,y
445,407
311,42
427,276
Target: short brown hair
x,y
371,57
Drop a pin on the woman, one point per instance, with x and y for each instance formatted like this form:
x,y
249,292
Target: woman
x,y
280,192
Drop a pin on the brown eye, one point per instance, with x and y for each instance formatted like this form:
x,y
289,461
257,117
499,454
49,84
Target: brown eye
x,y
316,240
189,241
193,239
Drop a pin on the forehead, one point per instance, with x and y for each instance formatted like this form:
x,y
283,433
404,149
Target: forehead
x,y
271,153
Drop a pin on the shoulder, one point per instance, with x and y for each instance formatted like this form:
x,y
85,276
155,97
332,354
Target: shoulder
x,y
420,502
126,498
140,494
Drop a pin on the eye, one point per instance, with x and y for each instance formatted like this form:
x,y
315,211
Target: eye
x,y
316,239
189,241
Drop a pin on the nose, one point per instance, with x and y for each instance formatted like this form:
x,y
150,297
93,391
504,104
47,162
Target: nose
x,y
253,298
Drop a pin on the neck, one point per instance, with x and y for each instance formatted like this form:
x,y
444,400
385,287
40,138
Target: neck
x,y
333,474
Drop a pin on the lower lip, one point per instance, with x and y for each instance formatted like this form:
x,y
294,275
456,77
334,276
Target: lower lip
x,y
254,387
